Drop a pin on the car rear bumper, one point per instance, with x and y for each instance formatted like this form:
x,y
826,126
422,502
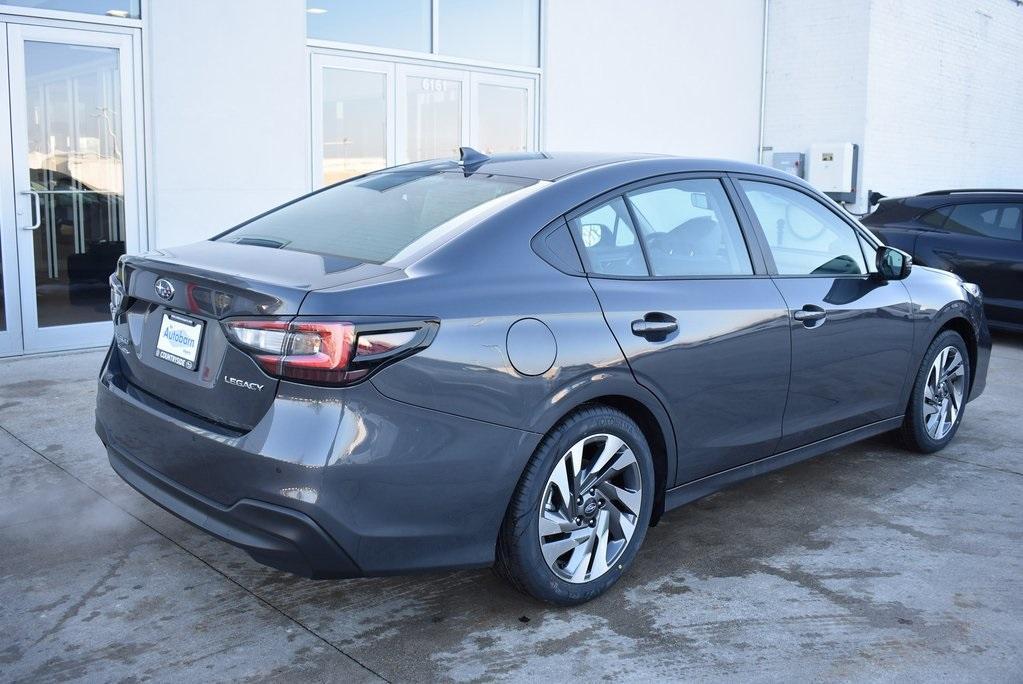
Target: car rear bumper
x,y
276,536
330,483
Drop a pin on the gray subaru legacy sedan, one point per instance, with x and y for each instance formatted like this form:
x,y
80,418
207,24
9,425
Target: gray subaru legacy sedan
x,y
519,361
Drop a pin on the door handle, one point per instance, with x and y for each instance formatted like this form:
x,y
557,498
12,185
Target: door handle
x,y
810,315
36,209
655,326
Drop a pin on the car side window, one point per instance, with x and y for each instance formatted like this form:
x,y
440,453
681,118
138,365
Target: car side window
x,y
804,236
689,229
936,217
607,240
997,220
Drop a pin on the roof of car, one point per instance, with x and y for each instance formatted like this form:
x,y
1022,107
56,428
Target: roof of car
x,y
551,166
937,198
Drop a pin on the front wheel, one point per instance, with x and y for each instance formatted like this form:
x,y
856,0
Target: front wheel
x,y
581,508
939,395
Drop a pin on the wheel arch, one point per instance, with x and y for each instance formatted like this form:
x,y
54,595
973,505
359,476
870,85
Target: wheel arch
x,y
643,407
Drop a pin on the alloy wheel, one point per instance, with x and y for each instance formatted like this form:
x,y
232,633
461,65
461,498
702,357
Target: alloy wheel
x,y
943,393
590,506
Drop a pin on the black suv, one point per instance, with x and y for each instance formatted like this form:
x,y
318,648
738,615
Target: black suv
x,y
977,234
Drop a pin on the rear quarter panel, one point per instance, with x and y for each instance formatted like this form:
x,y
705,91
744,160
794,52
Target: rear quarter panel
x,y
478,286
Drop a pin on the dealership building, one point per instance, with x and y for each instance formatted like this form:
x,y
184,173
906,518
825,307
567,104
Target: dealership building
x,y
132,125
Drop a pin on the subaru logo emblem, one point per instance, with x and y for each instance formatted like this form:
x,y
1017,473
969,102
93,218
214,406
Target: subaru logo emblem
x,y
164,289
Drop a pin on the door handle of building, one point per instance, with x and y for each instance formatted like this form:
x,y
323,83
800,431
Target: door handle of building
x,y
810,315
654,326
37,214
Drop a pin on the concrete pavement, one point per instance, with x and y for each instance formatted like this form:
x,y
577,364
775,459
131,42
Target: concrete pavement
x,y
869,563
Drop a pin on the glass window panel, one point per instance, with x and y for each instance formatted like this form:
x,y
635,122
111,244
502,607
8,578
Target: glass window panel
x,y
354,123
434,118
504,31
503,113
989,220
690,229
111,8
401,24
608,240
375,218
804,236
74,157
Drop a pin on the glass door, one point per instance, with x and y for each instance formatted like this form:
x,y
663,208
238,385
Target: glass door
x,y
503,113
75,200
10,305
352,115
433,112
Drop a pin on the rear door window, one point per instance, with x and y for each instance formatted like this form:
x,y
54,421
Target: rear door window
x,y
997,220
689,229
376,217
608,241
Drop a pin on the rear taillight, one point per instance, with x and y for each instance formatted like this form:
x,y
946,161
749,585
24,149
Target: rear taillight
x,y
326,352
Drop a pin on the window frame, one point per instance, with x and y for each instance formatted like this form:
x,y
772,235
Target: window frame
x,y
750,239
768,256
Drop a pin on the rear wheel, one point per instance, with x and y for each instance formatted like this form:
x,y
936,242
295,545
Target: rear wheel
x,y
939,395
581,508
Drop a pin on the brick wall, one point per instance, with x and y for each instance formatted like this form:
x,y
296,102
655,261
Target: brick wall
x,y
931,91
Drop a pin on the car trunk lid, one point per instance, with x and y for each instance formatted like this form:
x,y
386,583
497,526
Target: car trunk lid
x,y
169,333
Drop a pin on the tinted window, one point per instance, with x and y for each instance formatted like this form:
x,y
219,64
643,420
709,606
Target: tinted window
x,y
804,236
608,241
690,229
990,220
937,217
375,217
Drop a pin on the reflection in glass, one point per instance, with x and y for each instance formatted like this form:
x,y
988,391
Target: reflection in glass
x,y
3,306
111,8
505,31
503,117
434,127
74,158
354,123
402,24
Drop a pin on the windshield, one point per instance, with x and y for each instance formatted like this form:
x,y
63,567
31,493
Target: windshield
x,y
375,217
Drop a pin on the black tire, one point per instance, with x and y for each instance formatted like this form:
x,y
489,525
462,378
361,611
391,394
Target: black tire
x,y
913,433
519,558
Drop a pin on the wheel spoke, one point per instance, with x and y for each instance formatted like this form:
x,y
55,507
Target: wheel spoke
x,y
630,500
611,446
554,522
554,550
559,478
578,565
600,553
621,462
620,524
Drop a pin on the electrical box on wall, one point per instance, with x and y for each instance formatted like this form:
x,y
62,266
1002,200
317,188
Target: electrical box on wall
x,y
789,162
833,168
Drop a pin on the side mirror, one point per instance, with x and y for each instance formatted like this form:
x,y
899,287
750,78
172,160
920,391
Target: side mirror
x,y
893,264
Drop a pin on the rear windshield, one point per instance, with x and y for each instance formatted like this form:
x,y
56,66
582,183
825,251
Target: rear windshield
x,y
374,218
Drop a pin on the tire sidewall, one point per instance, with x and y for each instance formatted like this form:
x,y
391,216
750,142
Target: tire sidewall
x,y
537,577
925,442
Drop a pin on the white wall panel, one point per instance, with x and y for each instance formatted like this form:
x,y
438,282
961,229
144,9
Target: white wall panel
x,y
228,126
678,77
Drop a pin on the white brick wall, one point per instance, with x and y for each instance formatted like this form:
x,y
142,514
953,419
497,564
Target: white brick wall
x,y
946,95
931,91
